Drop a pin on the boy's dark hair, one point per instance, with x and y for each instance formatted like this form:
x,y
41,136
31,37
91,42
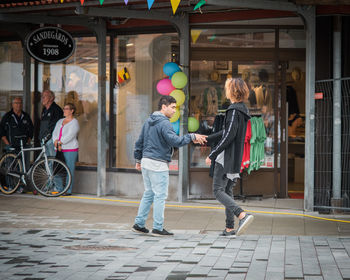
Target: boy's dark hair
x,y
166,100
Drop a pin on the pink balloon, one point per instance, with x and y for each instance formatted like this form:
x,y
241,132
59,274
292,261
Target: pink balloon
x,y
165,87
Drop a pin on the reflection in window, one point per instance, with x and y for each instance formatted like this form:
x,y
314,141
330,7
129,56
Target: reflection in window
x,y
11,78
208,101
292,39
143,57
233,38
76,81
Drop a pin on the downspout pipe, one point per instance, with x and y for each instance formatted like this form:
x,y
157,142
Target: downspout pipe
x,y
336,192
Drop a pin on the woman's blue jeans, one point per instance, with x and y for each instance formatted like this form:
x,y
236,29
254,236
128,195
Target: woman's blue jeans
x,y
71,159
156,190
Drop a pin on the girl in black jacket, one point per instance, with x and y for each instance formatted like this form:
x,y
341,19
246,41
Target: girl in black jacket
x,y
228,153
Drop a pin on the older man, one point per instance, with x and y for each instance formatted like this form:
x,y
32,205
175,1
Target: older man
x,y
50,115
16,123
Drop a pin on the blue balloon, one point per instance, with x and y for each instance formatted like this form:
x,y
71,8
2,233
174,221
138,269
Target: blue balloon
x,y
170,68
176,126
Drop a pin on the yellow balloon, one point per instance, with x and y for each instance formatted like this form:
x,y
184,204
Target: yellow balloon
x,y
176,116
179,95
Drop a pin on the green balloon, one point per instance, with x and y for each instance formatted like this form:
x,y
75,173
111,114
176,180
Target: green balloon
x,y
179,80
193,124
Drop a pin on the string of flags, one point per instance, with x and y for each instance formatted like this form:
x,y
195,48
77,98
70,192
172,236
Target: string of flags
x,y
174,4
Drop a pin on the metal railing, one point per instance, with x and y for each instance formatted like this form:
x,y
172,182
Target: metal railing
x,y
323,171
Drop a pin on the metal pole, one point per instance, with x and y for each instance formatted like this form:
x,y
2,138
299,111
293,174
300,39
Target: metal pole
x,y
309,15
182,25
337,108
101,119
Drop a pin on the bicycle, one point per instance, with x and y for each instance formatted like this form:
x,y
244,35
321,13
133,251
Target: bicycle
x,y
47,175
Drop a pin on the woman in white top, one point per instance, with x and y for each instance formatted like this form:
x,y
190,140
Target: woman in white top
x,y
65,139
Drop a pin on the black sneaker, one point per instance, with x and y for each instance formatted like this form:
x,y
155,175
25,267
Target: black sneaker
x,y
231,233
163,232
138,229
244,223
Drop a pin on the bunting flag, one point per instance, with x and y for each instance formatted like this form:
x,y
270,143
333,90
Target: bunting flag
x,y
82,2
199,4
61,1
195,35
212,38
101,2
175,5
150,3
126,2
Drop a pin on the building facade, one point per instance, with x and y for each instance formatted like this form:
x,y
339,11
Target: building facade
x,y
293,56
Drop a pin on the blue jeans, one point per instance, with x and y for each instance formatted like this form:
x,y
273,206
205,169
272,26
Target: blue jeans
x,y
156,190
71,159
50,148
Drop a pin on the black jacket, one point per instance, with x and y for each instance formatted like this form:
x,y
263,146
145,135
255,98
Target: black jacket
x,y
231,138
49,118
11,125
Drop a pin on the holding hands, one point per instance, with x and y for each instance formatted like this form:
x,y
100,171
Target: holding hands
x,y
200,139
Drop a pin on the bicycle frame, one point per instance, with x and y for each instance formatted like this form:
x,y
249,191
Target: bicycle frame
x,y
21,155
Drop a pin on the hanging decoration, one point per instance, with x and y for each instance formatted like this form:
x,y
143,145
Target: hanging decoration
x,y
150,3
195,35
199,5
123,75
175,5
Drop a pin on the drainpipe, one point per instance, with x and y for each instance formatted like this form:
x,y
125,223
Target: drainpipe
x,y
308,14
336,198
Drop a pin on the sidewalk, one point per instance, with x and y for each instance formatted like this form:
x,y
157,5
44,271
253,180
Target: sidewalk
x,y
83,237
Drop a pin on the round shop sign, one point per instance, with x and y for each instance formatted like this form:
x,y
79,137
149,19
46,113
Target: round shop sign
x,y
50,44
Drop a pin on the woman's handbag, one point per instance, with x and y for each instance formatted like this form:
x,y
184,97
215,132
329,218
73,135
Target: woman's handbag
x,y
59,153
60,156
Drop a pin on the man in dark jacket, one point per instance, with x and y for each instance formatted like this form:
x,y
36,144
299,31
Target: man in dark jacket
x,y
228,155
50,115
153,151
16,123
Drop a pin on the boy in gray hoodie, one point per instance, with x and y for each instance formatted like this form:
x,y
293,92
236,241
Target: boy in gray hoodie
x,y
153,151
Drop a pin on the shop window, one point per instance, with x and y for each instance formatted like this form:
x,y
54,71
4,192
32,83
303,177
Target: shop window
x,y
76,81
11,78
232,38
292,39
208,100
138,67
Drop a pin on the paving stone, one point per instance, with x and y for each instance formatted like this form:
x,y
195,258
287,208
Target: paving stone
x,y
199,271
273,275
235,276
208,261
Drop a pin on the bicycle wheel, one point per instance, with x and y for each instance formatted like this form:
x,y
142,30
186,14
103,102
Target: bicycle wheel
x,y
52,185
9,163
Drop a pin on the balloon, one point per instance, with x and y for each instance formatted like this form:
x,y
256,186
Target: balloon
x,y
176,116
164,86
179,95
193,124
170,68
176,126
179,80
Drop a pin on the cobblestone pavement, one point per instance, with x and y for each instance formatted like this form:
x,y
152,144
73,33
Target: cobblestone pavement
x,y
68,239
109,254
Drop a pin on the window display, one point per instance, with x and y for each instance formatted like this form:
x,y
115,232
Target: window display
x,y
208,102
136,98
